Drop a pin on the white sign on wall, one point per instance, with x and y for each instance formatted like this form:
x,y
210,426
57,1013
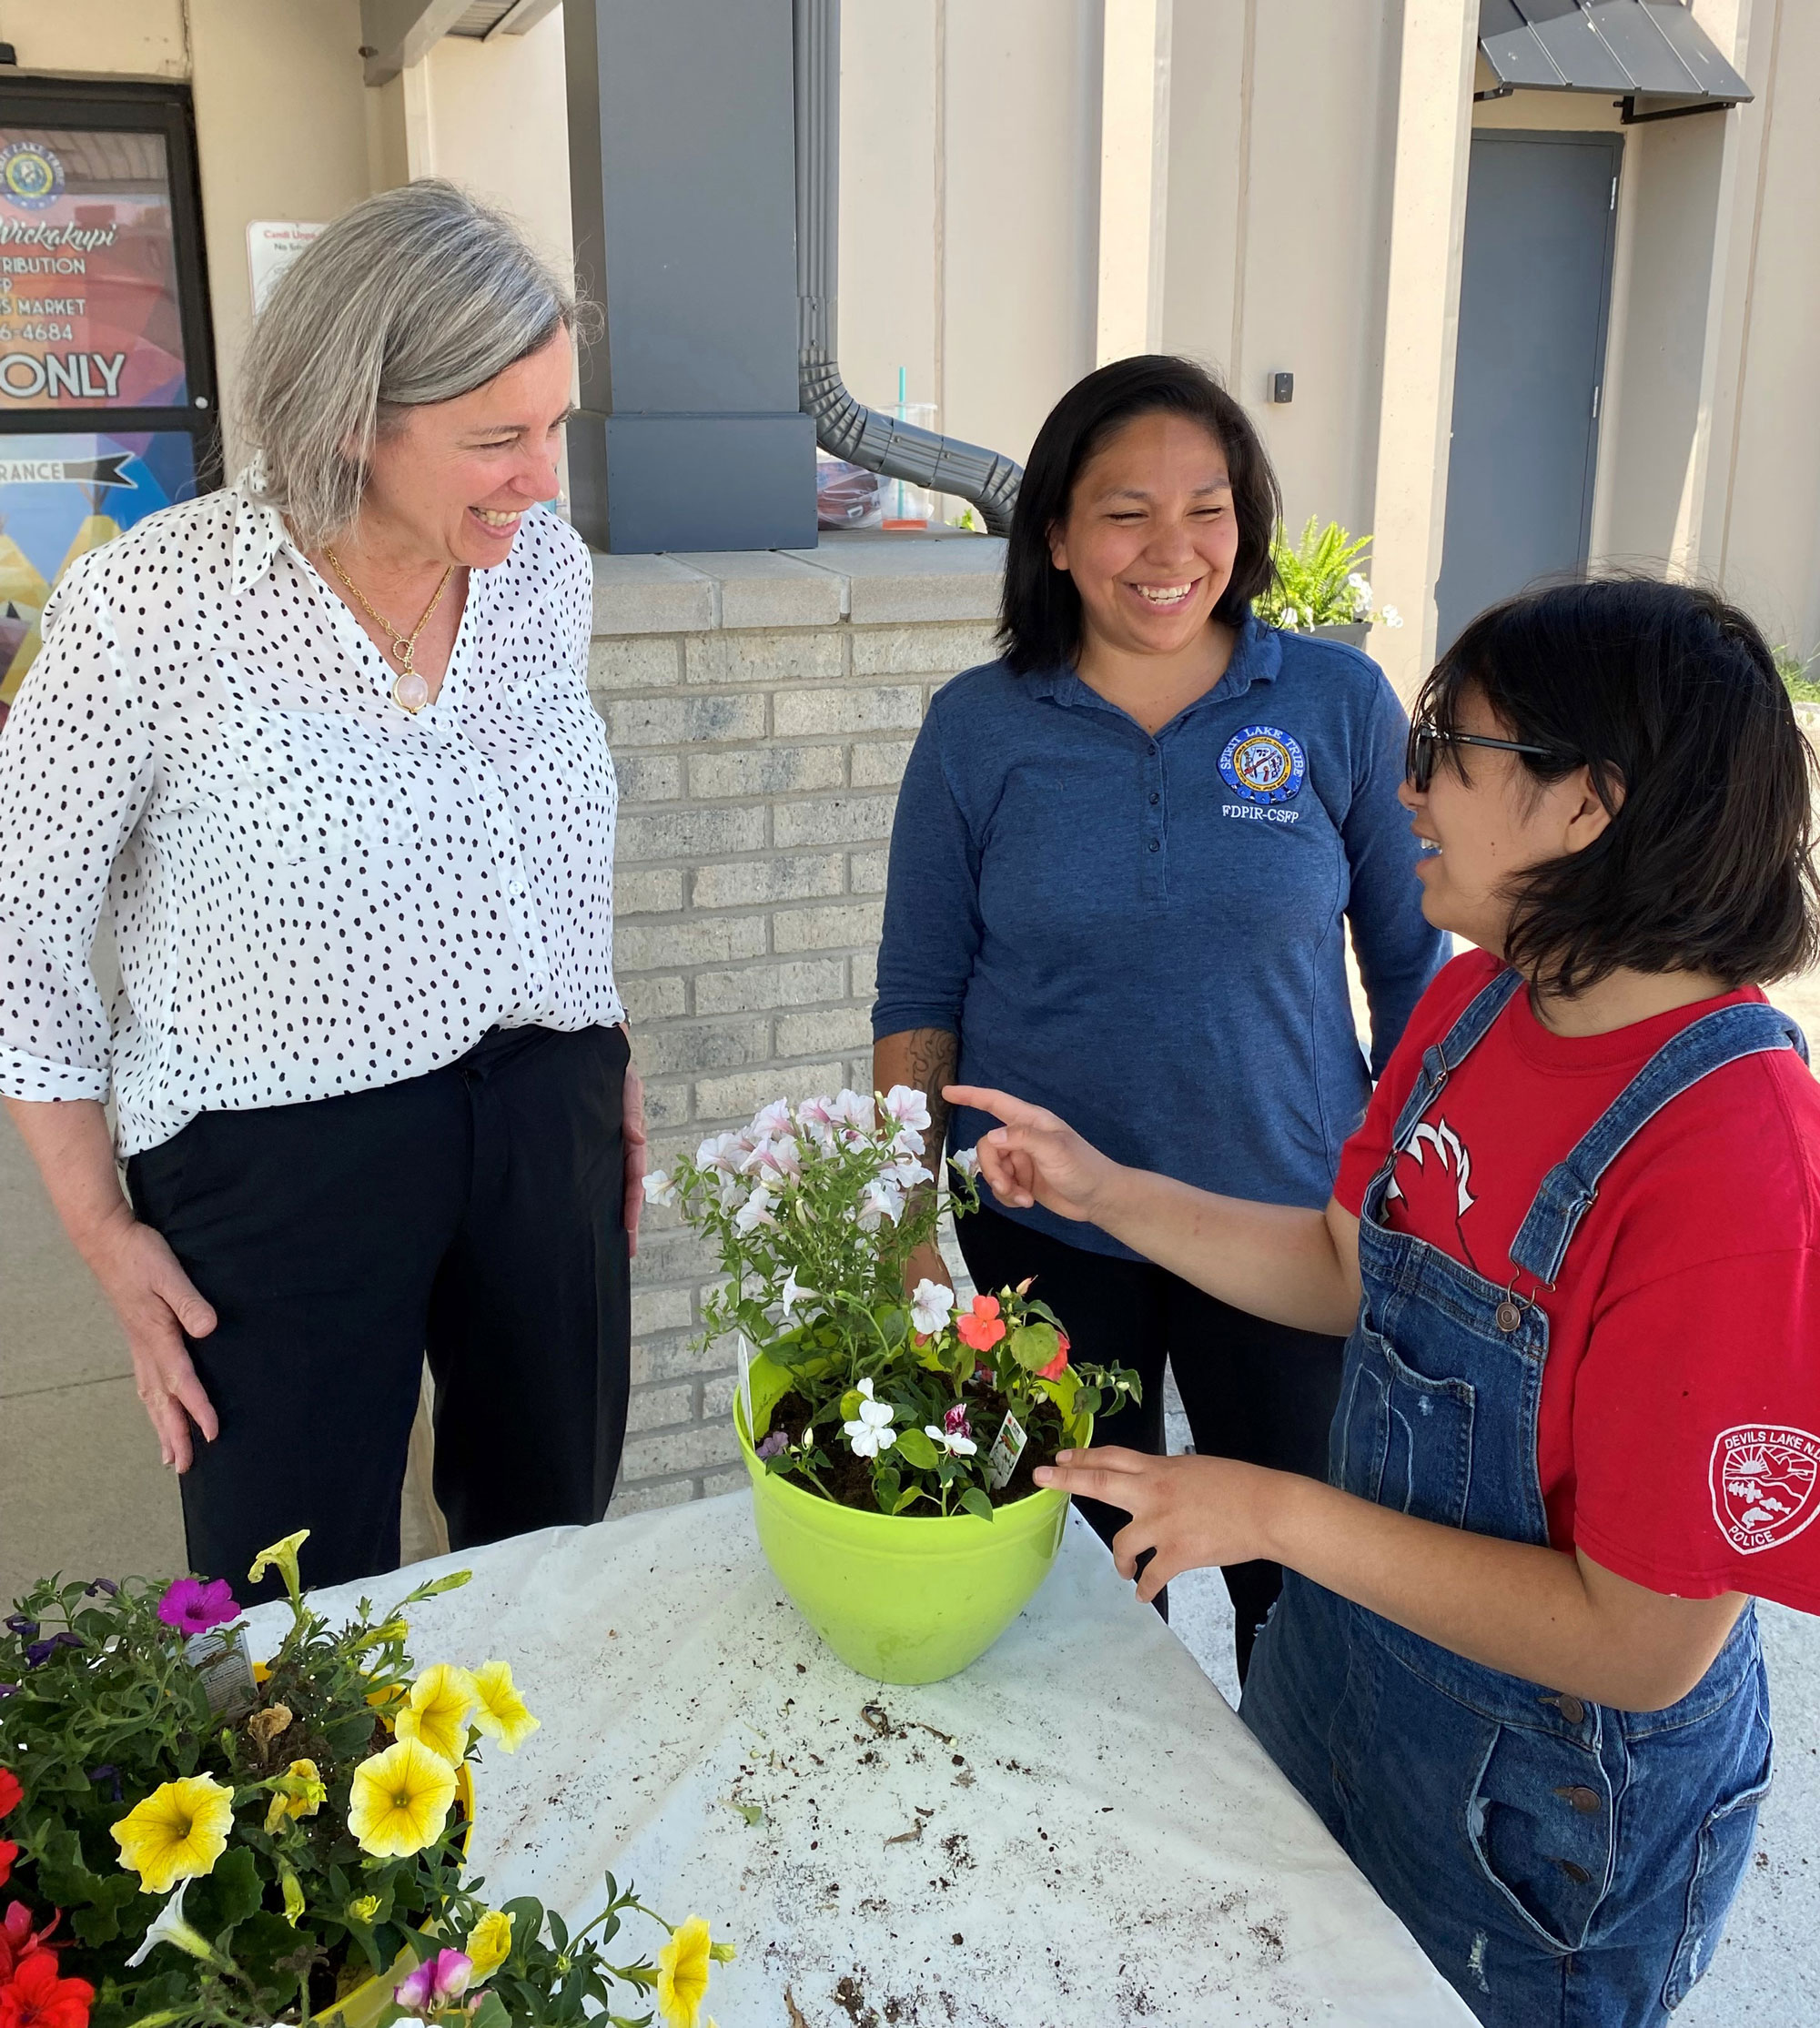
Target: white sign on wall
x,y
272,244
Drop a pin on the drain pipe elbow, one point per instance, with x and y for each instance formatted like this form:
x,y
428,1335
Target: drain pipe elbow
x,y
845,428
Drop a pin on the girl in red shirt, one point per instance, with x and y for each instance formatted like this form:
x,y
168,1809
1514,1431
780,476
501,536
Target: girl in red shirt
x,y
1515,1666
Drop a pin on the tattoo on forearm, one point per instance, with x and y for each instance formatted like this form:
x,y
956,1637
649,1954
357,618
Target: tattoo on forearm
x,y
930,1055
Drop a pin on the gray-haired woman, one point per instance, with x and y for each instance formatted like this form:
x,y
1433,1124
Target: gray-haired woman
x,y
321,742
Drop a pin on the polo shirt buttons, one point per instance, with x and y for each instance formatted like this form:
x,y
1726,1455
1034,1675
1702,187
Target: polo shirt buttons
x,y
1156,844
1155,799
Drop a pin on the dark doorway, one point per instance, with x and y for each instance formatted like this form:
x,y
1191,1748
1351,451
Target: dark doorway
x,y
1536,292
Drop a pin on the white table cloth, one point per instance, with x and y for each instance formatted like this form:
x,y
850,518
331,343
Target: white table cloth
x,y
1077,1830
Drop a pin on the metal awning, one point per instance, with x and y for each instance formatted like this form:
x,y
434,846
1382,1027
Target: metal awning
x,y
395,33
1651,53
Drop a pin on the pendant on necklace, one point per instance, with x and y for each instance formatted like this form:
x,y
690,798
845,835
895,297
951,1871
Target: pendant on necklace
x,y
409,691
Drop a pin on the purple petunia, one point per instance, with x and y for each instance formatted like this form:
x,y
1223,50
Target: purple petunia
x,y
774,1445
435,1983
193,1607
101,1584
26,1630
108,1773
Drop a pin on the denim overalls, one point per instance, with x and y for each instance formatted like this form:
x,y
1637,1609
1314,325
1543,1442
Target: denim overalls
x,y
1565,1865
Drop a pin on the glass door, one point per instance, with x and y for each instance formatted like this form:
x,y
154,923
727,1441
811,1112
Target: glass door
x,y
107,399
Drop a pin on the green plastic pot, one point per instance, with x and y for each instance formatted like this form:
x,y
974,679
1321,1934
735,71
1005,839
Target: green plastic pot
x,y
901,1599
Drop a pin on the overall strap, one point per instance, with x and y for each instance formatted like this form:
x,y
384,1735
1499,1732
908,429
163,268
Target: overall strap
x,y
1568,1188
1447,1056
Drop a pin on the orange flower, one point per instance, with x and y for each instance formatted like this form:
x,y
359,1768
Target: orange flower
x,y
1058,1365
982,1327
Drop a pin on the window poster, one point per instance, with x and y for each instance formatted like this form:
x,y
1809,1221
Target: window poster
x,y
61,497
89,315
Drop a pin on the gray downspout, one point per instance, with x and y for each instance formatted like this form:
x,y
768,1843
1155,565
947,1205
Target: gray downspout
x,y
845,428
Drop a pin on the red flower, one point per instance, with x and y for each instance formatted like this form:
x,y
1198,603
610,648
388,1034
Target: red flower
x,y
981,1327
18,1940
35,1997
1058,1365
9,1852
10,1790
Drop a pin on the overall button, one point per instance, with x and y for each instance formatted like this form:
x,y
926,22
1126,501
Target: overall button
x,y
1508,1315
1577,1875
1569,1708
1584,1799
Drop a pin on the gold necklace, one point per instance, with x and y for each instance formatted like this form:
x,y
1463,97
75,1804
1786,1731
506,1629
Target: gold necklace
x,y
410,690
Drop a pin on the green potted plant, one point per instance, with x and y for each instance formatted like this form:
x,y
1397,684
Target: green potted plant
x,y
890,1437
1317,586
191,1840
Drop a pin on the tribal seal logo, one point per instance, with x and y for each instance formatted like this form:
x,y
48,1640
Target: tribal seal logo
x,y
1263,765
1765,1483
31,176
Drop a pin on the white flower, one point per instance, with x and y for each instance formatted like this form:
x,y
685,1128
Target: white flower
x,y
770,1119
1360,585
659,1189
755,1211
782,1155
907,1141
882,1199
907,1107
871,1432
967,1162
1391,617
169,1927
931,1307
907,1173
956,1447
791,1294
719,1151
854,1110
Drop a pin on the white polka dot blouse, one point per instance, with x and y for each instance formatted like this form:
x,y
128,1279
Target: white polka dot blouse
x,y
311,891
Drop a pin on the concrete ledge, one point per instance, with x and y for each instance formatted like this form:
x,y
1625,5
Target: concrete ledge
x,y
871,579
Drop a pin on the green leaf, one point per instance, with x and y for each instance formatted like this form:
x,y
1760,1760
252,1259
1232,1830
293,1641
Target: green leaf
x,y
976,1502
1033,1345
907,1497
491,2012
793,1352
229,1893
884,1485
915,1449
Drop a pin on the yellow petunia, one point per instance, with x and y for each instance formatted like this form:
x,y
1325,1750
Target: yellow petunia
x,y
499,1709
177,1833
489,1943
281,1557
298,1791
400,1799
437,1710
683,1973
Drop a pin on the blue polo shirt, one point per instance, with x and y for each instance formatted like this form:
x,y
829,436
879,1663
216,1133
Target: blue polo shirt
x,y
1145,935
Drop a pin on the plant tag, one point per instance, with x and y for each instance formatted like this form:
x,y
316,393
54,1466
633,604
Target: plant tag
x,y
745,1383
1008,1447
225,1668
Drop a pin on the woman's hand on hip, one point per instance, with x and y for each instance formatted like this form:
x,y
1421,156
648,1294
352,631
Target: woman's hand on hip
x,y
158,1307
631,1131
1037,1158
1192,1512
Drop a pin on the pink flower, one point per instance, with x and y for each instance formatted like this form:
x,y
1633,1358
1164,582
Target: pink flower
x,y
954,1422
193,1607
981,1328
1058,1365
435,1983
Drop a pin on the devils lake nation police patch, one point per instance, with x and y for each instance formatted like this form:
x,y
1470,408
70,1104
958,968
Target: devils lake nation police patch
x,y
1263,765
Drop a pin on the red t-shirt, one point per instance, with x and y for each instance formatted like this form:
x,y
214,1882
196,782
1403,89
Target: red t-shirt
x,y
1679,1439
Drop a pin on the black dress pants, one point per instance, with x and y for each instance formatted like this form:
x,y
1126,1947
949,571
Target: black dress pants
x,y
1259,1392
474,1212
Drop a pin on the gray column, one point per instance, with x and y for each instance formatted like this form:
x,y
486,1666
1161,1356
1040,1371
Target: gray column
x,y
682,169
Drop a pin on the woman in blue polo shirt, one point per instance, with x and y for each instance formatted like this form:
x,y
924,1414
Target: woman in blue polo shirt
x,y
1124,858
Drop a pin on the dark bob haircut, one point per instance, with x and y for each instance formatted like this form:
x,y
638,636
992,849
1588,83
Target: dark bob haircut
x,y
1040,620
1672,698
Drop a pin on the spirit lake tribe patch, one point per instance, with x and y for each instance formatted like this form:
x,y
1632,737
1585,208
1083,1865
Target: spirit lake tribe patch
x,y
1263,763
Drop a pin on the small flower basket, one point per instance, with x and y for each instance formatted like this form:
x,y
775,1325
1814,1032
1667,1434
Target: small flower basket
x,y
891,1439
195,1840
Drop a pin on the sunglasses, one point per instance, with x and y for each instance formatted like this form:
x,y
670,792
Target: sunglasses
x,y
1426,741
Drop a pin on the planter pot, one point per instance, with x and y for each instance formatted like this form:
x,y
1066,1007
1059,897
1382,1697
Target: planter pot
x,y
1352,632
899,1598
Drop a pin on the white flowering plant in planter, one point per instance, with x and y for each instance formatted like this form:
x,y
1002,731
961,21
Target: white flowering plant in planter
x,y
904,1403
1316,582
